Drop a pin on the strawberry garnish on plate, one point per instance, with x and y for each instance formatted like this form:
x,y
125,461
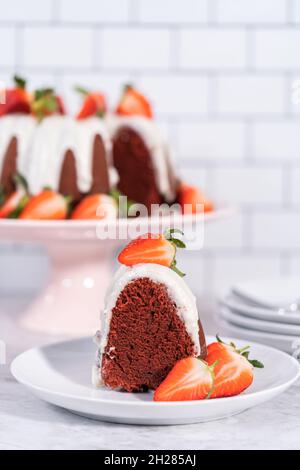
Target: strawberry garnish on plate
x,y
47,205
95,207
190,379
153,248
133,103
13,205
46,103
94,104
192,200
233,368
16,99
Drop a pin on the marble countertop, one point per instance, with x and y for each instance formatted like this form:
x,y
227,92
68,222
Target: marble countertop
x,y
28,423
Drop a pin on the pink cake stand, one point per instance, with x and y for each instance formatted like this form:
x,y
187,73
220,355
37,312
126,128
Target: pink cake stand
x,y
81,264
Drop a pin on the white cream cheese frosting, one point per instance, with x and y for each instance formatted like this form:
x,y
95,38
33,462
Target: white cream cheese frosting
x,y
54,137
156,143
177,289
42,148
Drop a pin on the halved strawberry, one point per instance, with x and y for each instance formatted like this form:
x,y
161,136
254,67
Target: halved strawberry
x,y
46,103
153,248
233,369
94,104
16,99
47,205
192,200
12,206
190,379
133,103
95,207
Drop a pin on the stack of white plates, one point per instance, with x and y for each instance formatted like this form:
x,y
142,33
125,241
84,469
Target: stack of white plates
x,y
264,311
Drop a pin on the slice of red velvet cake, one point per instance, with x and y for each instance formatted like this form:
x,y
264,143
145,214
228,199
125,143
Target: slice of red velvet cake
x,y
150,321
140,152
142,160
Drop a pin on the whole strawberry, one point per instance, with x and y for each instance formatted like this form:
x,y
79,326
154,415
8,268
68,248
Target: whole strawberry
x,y
47,205
133,103
16,99
94,104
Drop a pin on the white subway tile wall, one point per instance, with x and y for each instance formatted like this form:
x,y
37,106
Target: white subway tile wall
x,y
250,95
57,47
172,12
251,12
220,75
276,49
94,11
212,140
7,46
212,48
16,11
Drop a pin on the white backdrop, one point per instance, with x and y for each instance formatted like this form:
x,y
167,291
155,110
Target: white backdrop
x,y
220,75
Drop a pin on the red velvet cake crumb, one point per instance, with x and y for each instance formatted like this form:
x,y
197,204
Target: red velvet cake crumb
x,y
146,338
133,162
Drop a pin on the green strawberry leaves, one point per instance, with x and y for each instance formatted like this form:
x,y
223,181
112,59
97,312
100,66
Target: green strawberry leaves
x,y
123,206
20,181
44,102
20,82
243,352
81,90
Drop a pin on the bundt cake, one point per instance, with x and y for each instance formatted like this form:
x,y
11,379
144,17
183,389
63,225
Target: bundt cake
x,y
95,152
150,319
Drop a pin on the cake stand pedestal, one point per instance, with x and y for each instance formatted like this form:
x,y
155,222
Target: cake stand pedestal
x,y
74,296
81,264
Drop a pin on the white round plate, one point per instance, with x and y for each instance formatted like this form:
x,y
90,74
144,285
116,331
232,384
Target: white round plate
x,y
260,325
61,375
269,293
287,343
260,313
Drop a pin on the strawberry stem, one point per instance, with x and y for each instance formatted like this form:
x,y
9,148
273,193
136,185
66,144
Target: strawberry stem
x,y
176,270
212,371
177,243
242,350
219,339
128,86
100,113
69,201
2,195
